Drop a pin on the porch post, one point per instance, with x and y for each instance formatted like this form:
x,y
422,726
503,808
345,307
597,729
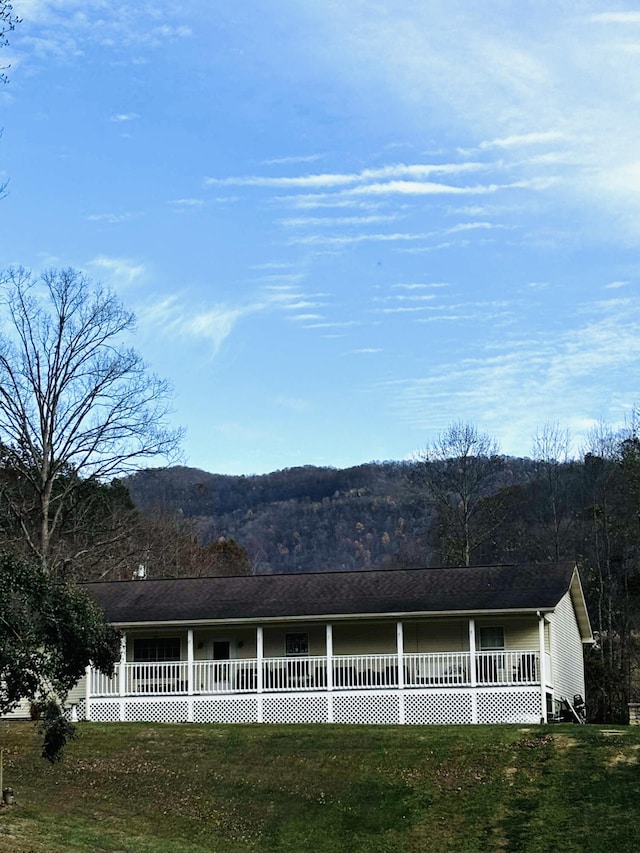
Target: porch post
x,y
543,670
190,675
400,647
87,693
122,674
329,671
472,671
259,673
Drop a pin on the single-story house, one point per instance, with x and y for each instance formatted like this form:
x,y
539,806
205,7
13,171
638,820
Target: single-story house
x,y
488,644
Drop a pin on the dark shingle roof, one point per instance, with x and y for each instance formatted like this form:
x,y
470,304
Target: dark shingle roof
x,y
485,588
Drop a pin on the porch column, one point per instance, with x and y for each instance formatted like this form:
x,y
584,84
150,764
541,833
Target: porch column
x,y
259,673
543,670
400,648
329,666
190,675
87,693
472,671
122,674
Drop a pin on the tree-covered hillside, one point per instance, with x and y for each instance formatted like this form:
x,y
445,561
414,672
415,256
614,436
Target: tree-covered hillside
x,y
317,519
299,519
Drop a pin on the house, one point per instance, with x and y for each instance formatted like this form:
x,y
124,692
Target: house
x,y
489,644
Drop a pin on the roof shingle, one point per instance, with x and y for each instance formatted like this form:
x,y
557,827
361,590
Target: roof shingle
x,y
333,594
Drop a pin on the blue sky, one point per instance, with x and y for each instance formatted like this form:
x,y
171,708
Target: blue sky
x,y
342,225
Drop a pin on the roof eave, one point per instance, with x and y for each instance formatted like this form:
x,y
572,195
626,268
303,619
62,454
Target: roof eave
x,y
580,607
335,617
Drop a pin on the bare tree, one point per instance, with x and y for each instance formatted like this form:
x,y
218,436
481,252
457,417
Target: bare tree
x,y
461,468
75,401
552,454
8,21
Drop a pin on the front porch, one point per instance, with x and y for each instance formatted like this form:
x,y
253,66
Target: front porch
x,y
465,685
344,672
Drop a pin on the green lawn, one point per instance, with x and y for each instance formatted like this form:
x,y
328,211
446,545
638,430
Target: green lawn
x,y
362,789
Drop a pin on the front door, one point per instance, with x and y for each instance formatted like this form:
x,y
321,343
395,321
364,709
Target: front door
x,y
221,653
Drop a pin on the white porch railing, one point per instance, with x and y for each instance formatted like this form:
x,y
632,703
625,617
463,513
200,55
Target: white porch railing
x,y
353,671
101,685
508,667
151,678
444,668
293,673
225,676
349,672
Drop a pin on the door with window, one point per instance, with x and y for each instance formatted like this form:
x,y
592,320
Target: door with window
x,y
491,661
221,650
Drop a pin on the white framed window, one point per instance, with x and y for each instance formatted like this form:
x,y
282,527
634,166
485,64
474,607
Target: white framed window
x,y
156,649
491,637
296,644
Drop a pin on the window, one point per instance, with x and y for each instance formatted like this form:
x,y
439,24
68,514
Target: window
x,y
153,649
492,637
296,644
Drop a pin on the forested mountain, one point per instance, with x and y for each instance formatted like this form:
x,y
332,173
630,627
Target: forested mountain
x,y
299,519
309,518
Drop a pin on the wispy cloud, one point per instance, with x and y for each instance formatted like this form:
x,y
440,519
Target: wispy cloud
x,y
537,378
118,271
616,285
405,309
110,218
314,201
353,239
424,188
301,304
544,90
338,324
305,318
519,140
473,226
629,17
293,160
124,117
421,285
272,265
331,180
213,324
177,318
187,203
335,221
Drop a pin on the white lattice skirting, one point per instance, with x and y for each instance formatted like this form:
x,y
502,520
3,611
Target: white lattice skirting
x,y
497,705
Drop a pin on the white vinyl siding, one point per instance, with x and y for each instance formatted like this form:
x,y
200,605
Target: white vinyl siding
x,y
364,638
566,651
437,635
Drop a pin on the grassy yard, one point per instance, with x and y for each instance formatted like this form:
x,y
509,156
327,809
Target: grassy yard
x,y
189,789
